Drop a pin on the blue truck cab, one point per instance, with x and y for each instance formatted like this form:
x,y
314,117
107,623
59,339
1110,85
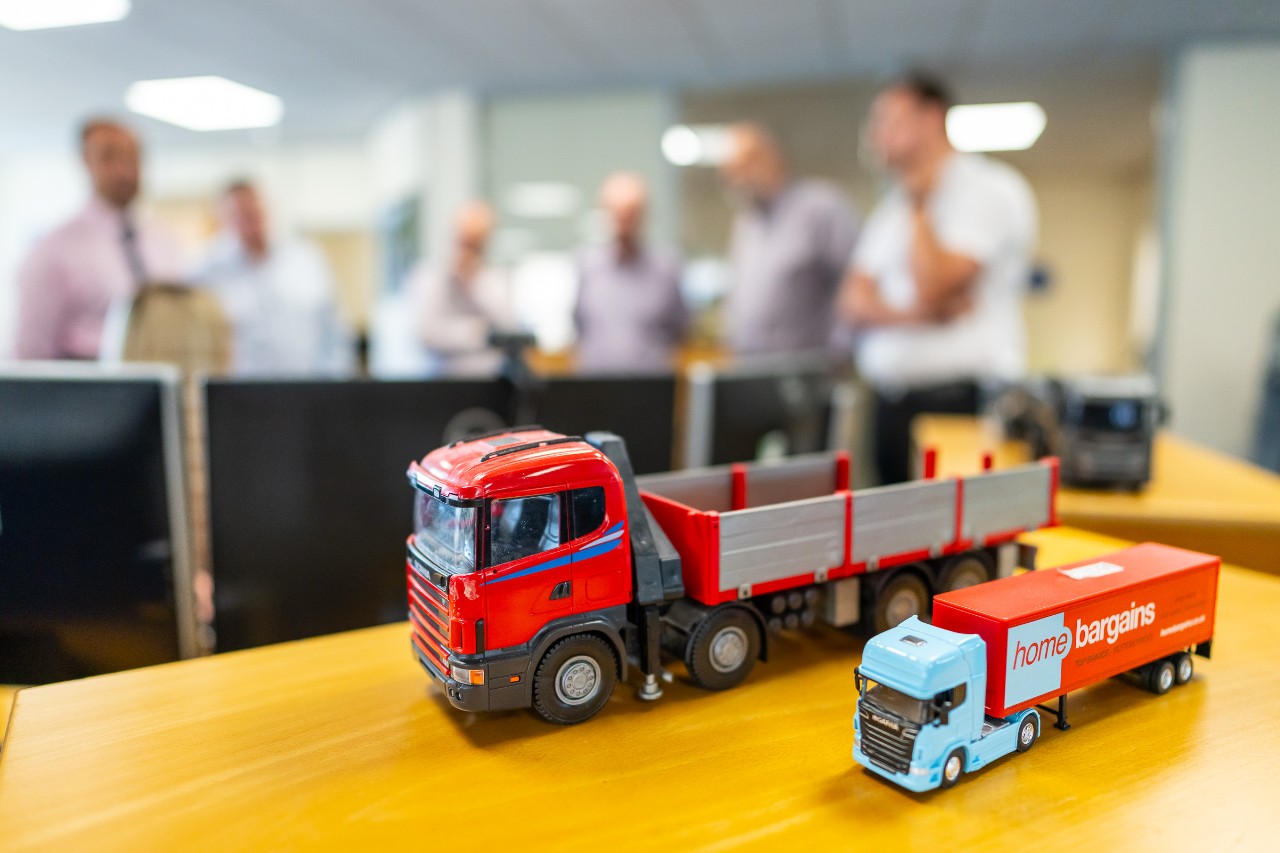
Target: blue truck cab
x,y
921,719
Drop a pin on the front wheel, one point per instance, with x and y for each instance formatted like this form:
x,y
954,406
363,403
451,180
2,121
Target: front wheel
x,y
722,649
1027,733
574,680
953,768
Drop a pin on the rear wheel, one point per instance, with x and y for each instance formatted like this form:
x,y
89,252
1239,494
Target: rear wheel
x,y
1183,668
901,598
722,649
966,570
574,679
1160,677
953,768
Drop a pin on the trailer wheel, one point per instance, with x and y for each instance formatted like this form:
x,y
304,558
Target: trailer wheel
x,y
1160,677
1183,668
574,680
904,596
1027,733
952,768
965,570
722,649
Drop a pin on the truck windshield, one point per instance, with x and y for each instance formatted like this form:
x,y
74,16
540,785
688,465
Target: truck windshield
x,y
445,533
895,702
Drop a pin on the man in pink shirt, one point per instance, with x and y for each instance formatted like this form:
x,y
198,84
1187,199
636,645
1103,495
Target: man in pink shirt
x,y
72,275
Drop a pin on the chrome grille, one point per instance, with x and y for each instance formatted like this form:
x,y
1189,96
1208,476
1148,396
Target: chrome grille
x,y
886,739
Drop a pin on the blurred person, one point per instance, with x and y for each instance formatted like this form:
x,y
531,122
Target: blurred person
x,y
456,308
278,294
935,287
790,246
73,275
629,315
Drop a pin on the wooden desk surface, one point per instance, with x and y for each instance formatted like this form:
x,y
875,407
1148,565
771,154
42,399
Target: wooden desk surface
x,y
340,742
1197,498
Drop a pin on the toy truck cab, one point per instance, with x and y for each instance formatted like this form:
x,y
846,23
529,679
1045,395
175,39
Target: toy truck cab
x,y
520,540
921,720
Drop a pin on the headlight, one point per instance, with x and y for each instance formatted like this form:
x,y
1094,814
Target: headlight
x,y
466,676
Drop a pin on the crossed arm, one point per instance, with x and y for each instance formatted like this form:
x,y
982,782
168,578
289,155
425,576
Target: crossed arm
x,y
944,284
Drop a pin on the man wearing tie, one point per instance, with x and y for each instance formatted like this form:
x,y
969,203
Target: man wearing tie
x,y
72,275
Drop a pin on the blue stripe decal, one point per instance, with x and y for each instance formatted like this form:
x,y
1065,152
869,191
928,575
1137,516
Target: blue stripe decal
x,y
584,554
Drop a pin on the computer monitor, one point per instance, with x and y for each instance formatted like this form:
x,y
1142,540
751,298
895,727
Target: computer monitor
x,y
309,505
94,559
759,409
640,408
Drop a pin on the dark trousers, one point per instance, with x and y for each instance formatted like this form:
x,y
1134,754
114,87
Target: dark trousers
x,y
893,422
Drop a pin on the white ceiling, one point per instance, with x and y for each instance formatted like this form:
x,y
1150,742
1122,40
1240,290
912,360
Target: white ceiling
x,y
339,63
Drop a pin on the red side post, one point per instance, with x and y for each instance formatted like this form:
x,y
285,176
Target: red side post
x,y
930,463
1052,462
738,484
986,461
843,470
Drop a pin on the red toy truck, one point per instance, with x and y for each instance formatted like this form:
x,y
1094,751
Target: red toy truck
x,y
540,568
938,700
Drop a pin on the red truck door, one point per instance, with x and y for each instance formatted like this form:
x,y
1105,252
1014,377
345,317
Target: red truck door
x,y
530,580
601,549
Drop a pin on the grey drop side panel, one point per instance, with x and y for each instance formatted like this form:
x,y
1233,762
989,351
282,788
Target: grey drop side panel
x,y
768,543
905,517
795,479
1006,500
706,489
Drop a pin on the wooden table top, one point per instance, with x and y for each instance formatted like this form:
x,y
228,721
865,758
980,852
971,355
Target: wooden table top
x,y
1197,498
342,742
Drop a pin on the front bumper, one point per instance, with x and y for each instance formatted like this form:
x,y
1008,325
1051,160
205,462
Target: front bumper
x,y
499,691
917,779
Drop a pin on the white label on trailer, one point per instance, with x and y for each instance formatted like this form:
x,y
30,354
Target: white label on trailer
x,y
1033,665
1093,570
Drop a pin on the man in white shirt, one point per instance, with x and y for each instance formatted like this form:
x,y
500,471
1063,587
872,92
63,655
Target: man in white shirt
x,y
278,295
456,308
935,288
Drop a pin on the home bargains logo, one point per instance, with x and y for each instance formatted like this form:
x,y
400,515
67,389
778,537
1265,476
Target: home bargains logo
x,y
1035,654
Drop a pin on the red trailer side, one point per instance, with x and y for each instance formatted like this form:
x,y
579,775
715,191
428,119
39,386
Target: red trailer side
x,y
1054,631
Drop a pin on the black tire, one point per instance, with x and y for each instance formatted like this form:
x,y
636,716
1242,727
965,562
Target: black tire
x,y
969,569
952,769
1160,677
905,595
722,648
1183,668
574,680
1027,740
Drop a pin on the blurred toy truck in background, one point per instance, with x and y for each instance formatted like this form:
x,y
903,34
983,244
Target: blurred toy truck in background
x,y
540,568
938,700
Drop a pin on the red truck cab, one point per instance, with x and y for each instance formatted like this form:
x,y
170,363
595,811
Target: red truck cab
x,y
514,534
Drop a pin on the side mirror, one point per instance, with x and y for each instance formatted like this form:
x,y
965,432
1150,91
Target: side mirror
x,y
859,682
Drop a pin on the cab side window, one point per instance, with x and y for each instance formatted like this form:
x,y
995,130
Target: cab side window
x,y
588,510
522,527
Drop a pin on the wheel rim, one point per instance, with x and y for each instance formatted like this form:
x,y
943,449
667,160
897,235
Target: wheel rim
x,y
1166,677
1184,670
952,768
578,680
728,649
902,605
970,572
1028,733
